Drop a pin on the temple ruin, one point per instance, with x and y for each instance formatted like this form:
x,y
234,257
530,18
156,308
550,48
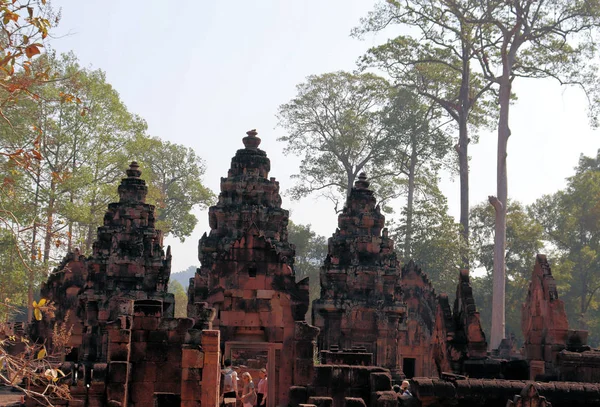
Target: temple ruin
x,y
376,322
247,272
361,299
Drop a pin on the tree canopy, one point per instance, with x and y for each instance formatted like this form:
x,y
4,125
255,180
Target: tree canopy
x,y
571,222
84,139
336,124
435,61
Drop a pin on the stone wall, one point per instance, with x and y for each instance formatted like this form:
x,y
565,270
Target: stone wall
x,y
497,393
343,385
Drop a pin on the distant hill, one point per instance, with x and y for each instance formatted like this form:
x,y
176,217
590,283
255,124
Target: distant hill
x,y
184,276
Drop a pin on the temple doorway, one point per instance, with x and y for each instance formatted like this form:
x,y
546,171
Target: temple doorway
x,y
251,357
408,367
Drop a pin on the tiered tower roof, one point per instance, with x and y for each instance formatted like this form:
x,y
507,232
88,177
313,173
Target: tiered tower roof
x,y
361,240
248,199
128,257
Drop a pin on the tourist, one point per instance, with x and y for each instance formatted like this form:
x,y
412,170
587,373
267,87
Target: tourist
x,y
248,393
396,388
262,388
230,379
404,388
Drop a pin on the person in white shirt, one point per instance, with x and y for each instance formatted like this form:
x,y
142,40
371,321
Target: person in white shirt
x,y
230,387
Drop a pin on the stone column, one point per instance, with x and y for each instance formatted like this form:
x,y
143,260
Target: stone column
x,y
211,373
305,345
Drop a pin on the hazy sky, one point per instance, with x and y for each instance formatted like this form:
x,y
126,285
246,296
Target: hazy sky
x,y
202,73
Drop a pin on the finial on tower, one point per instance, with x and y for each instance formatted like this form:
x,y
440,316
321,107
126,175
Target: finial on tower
x,y
251,142
134,170
133,188
362,182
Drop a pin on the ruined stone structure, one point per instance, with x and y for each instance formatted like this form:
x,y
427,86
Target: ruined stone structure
x,y
422,345
247,274
552,350
466,392
361,298
131,351
375,323
127,263
63,287
467,346
544,321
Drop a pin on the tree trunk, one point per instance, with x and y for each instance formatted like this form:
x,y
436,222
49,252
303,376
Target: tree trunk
x,y
49,222
463,167
90,233
70,230
499,287
31,276
410,204
584,286
463,153
72,197
351,177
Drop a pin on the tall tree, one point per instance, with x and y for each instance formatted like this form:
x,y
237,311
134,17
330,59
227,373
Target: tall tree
x,y
524,238
436,63
84,135
571,220
336,123
76,114
532,39
23,27
174,174
421,150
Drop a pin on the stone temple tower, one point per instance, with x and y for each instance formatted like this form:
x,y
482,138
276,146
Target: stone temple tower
x,y
127,263
361,297
247,275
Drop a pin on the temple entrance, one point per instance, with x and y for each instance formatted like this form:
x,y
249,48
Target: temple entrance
x,y
408,367
251,357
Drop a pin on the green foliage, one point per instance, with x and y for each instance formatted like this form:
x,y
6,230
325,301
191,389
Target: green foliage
x,y
336,123
421,151
571,221
434,61
524,239
436,73
540,39
436,244
81,130
181,298
53,198
311,250
74,128
420,133
173,173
